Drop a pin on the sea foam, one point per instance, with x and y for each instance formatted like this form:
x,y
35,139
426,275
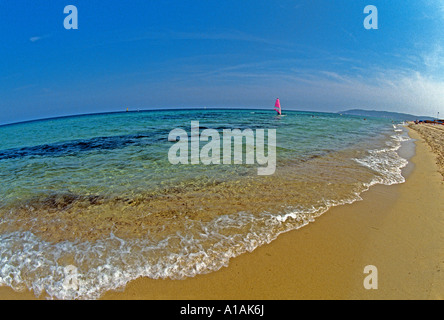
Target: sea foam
x,y
30,263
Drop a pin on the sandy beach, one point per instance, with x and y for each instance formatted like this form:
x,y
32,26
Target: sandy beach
x,y
398,229
434,136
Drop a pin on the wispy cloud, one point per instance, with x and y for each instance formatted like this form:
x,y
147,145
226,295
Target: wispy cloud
x,y
437,7
168,35
398,89
440,6
25,87
350,35
38,38
434,58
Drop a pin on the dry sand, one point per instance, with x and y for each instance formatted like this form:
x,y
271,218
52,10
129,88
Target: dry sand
x,y
434,136
398,229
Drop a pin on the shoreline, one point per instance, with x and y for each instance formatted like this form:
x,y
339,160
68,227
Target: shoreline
x,y
396,228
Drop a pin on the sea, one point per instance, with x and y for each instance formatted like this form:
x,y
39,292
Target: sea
x,y
89,203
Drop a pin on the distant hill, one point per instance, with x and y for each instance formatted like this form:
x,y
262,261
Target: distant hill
x,y
385,114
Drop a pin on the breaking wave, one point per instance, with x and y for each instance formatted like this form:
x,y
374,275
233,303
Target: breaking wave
x,y
28,262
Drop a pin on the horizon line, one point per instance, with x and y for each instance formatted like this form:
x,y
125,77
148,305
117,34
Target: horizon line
x,y
188,108
152,110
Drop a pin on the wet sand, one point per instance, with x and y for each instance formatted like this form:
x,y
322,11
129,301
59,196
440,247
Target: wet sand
x,y
398,229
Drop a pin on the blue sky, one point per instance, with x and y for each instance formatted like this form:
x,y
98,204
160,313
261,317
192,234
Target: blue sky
x,y
153,54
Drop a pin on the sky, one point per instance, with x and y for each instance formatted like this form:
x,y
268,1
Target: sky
x,y
315,55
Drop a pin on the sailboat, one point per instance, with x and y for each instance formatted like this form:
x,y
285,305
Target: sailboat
x,y
277,107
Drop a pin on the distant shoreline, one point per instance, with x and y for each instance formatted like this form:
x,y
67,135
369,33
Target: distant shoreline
x,y
396,116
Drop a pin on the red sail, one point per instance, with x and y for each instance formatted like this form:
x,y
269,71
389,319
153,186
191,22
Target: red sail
x,y
277,106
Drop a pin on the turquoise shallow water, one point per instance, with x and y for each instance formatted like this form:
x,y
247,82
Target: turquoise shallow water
x,y
97,193
89,154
